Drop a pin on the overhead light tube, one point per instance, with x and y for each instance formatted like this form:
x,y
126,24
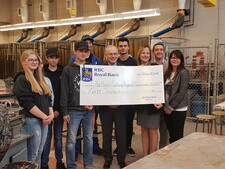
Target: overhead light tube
x,y
84,20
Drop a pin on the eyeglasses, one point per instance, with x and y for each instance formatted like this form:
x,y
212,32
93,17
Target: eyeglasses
x,y
33,60
174,58
112,54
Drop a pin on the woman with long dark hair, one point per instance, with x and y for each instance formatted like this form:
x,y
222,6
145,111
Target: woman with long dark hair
x,y
176,90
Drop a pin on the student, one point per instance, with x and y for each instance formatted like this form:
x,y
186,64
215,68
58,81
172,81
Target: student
x,y
113,114
34,96
148,116
73,112
158,52
54,71
127,60
176,91
92,60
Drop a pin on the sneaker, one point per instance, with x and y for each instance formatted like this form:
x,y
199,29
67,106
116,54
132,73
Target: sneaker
x,y
115,152
122,164
44,167
98,152
130,152
60,165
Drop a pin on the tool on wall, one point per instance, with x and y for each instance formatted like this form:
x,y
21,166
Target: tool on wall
x,y
101,29
135,26
72,31
24,34
44,34
132,25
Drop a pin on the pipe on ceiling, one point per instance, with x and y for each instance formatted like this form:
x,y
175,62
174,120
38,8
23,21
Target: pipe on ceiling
x,y
24,11
137,4
178,22
102,26
102,6
44,9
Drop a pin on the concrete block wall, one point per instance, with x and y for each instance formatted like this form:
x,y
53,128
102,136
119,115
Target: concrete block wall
x,y
209,23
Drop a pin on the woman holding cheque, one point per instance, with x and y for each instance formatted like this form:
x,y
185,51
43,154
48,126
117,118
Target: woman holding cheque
x,y
148,116
176,89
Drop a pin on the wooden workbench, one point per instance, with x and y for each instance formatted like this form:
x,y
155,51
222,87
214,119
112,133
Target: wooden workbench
x,y
195,151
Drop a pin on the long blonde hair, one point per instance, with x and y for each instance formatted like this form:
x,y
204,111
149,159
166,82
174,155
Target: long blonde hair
x,y
36,79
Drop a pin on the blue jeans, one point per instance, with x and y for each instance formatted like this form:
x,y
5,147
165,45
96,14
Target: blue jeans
x,y
36,143
85,118
57,127
95,137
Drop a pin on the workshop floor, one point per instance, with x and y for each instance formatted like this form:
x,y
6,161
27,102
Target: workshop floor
x,y
136,145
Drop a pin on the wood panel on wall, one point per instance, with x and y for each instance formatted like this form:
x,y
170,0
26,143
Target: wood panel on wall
x,y
10,53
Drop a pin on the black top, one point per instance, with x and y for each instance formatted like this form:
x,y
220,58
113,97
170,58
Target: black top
x,y
55,78
129,62
28,99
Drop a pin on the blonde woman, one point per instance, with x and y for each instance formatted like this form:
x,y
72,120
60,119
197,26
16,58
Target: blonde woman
x,y
148,116
34,96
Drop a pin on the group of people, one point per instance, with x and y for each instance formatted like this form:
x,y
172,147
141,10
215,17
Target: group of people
x,y
47,105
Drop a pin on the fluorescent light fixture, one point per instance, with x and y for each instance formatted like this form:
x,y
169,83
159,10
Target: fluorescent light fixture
x,y
84,20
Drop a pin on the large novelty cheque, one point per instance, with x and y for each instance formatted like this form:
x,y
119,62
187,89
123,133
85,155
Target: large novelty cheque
x,y
121,85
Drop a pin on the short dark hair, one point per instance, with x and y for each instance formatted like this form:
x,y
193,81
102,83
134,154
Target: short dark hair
x,y
123,39
158,43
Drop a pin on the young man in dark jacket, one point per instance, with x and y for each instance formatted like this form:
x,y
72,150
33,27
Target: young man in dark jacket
x,y
73,112
54,71
92,60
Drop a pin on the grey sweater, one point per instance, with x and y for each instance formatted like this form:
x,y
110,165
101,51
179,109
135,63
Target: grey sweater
x,y
70,89
177,90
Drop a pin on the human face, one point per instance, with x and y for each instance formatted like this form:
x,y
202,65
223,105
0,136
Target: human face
x,y
175,61
145,56
52,60
123,47
81,55
158,52
90,44
112,55
31,62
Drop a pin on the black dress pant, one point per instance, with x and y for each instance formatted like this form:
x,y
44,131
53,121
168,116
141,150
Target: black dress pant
x,y
118,116
130,119
175,124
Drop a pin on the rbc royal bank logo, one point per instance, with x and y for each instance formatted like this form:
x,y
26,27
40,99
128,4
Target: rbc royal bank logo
x,y
86,74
